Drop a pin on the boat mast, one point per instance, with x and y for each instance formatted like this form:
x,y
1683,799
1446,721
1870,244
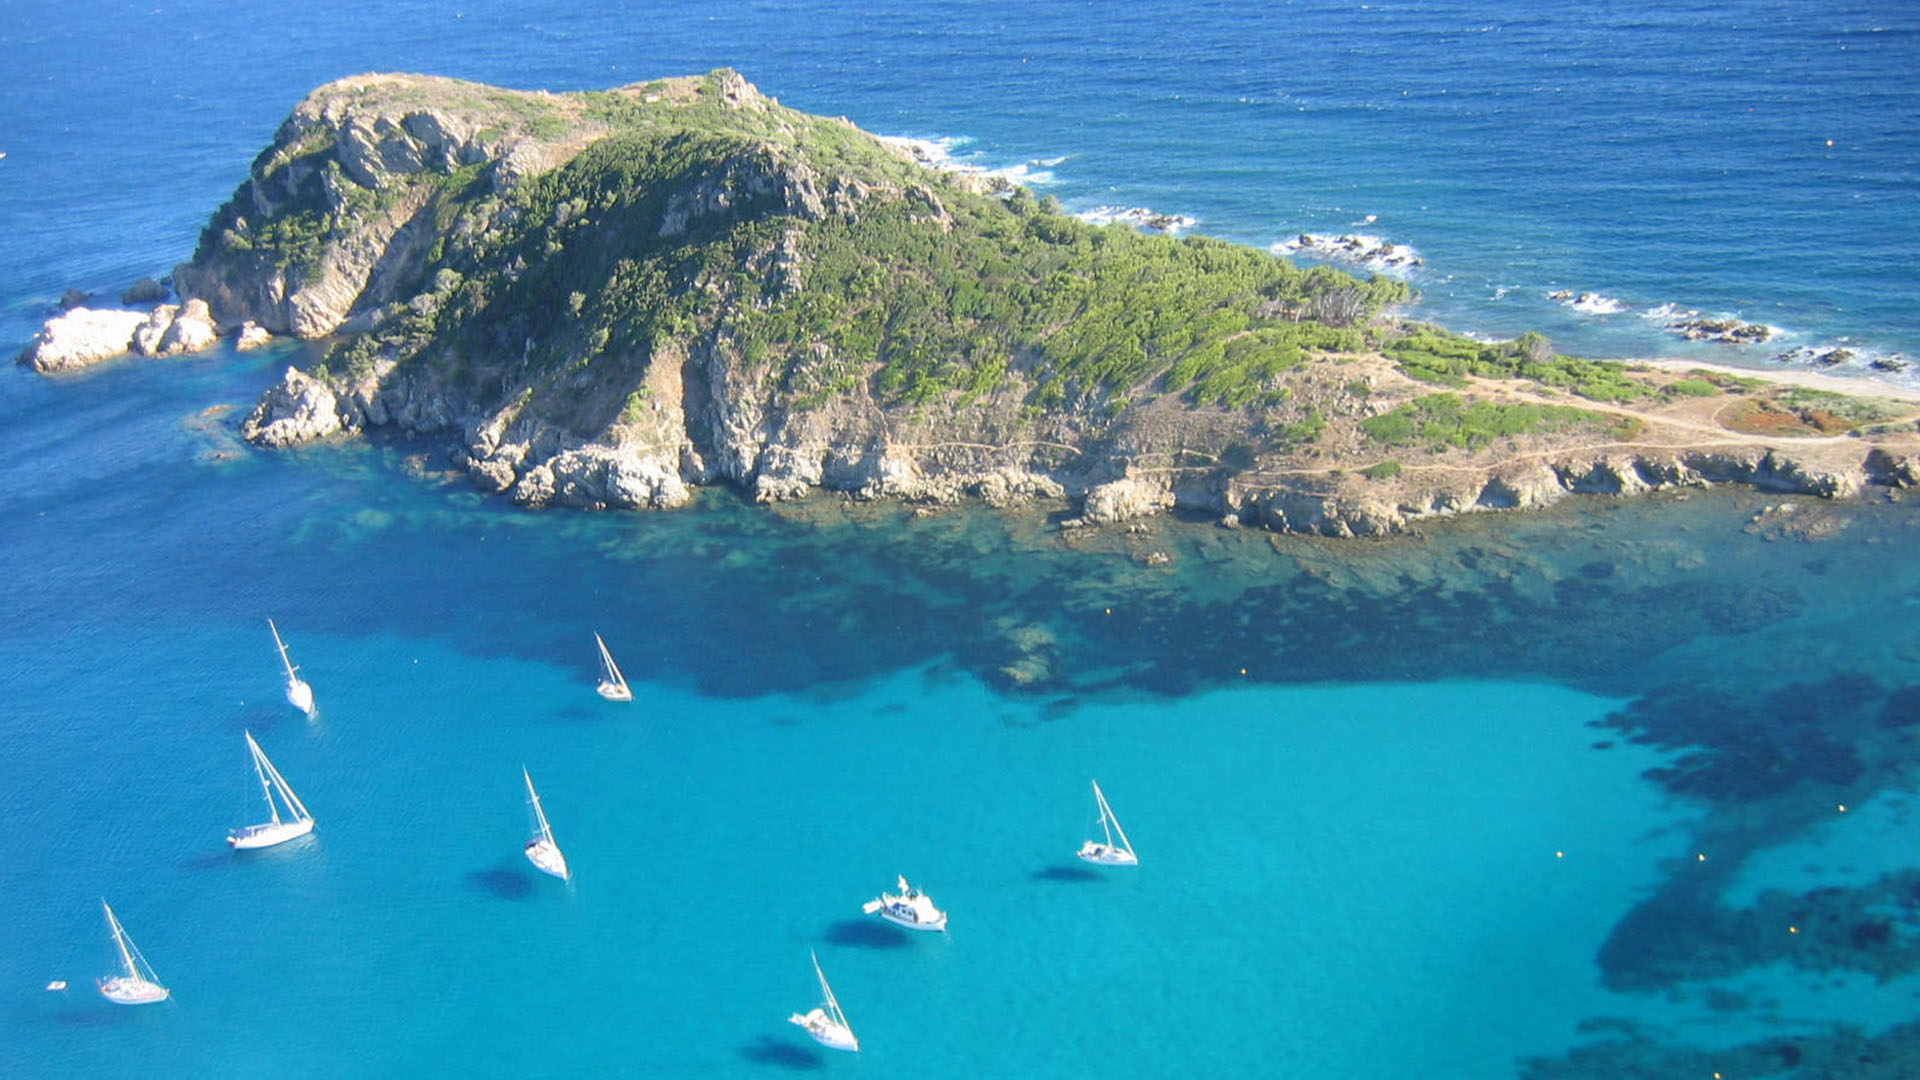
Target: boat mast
x,y
833,1003
1106,814
294,806
606,658
120,942
540,815
282,646
260,767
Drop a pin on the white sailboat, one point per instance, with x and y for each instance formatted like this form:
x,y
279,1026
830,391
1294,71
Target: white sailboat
x,y
613,685
136,984
1108,853
909,907
542,851
279,795
826,1023
299,694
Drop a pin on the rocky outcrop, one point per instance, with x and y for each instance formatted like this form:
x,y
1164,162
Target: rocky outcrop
x,y
300,409
1731,331
144,291
251,335
81,337
176,329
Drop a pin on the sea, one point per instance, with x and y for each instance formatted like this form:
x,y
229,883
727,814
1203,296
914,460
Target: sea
x,y
1623,787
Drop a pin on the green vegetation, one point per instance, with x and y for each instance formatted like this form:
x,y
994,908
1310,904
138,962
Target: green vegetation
x,y
1853,410
1439,421
833,264
1690,388
1433,355
1385,470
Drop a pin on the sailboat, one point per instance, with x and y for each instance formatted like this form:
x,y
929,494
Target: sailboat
x,y
542,852
137,984
909,907
613,685
1109,853
279,794
826,1023
299,694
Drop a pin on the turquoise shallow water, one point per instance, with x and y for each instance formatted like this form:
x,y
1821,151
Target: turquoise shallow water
x,y
1399,844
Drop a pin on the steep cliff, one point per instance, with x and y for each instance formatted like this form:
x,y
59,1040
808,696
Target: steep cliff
x,y
608,299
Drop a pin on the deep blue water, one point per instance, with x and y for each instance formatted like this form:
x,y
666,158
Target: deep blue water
x,y
1380,831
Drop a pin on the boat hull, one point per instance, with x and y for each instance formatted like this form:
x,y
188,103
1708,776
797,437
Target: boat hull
x,y
122,990
899,918
1102,855
824,1031
262,836
615,692
547,859
300,695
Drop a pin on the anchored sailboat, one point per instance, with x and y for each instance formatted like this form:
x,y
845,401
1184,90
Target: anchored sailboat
x,y
279,795
613,685
136,984
299,694
909,907
1109,853
542,852
826,1023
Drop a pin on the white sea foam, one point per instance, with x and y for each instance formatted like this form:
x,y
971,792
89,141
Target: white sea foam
x,y
1355,249
1588,303
1669,312
953,153
1137,216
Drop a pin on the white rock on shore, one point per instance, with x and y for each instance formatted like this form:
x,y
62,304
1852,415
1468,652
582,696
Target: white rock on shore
x,y
300,409
175,329
81,337
251,336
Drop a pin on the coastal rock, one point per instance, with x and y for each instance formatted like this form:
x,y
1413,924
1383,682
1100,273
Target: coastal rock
x,y
1893,470
1126,498
176,329
300,409
1731,331
144,291
1355,249
81,337
1012,487
251,335
1817,355
74,298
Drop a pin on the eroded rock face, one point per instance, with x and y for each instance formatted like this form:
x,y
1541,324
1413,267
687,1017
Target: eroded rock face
x,y
1126,498
176,329
300,409
81,337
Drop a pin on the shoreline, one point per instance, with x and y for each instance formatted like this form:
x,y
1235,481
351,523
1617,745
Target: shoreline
x,y
1856,385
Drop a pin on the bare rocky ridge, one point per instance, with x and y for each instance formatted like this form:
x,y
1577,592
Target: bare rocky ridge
x,y
384,198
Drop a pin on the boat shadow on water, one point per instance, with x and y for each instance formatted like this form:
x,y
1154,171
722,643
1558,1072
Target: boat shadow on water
x,y
501,882
767,1050
867,934
1067,873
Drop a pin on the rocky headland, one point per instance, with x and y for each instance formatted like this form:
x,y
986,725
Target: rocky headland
x,y
611,299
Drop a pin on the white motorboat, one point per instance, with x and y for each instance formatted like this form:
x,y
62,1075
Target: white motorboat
x,y
908,907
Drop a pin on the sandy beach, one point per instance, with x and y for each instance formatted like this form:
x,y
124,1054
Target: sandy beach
x,y
1861,385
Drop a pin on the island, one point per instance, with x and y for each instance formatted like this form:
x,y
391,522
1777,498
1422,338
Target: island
x,y
610,299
